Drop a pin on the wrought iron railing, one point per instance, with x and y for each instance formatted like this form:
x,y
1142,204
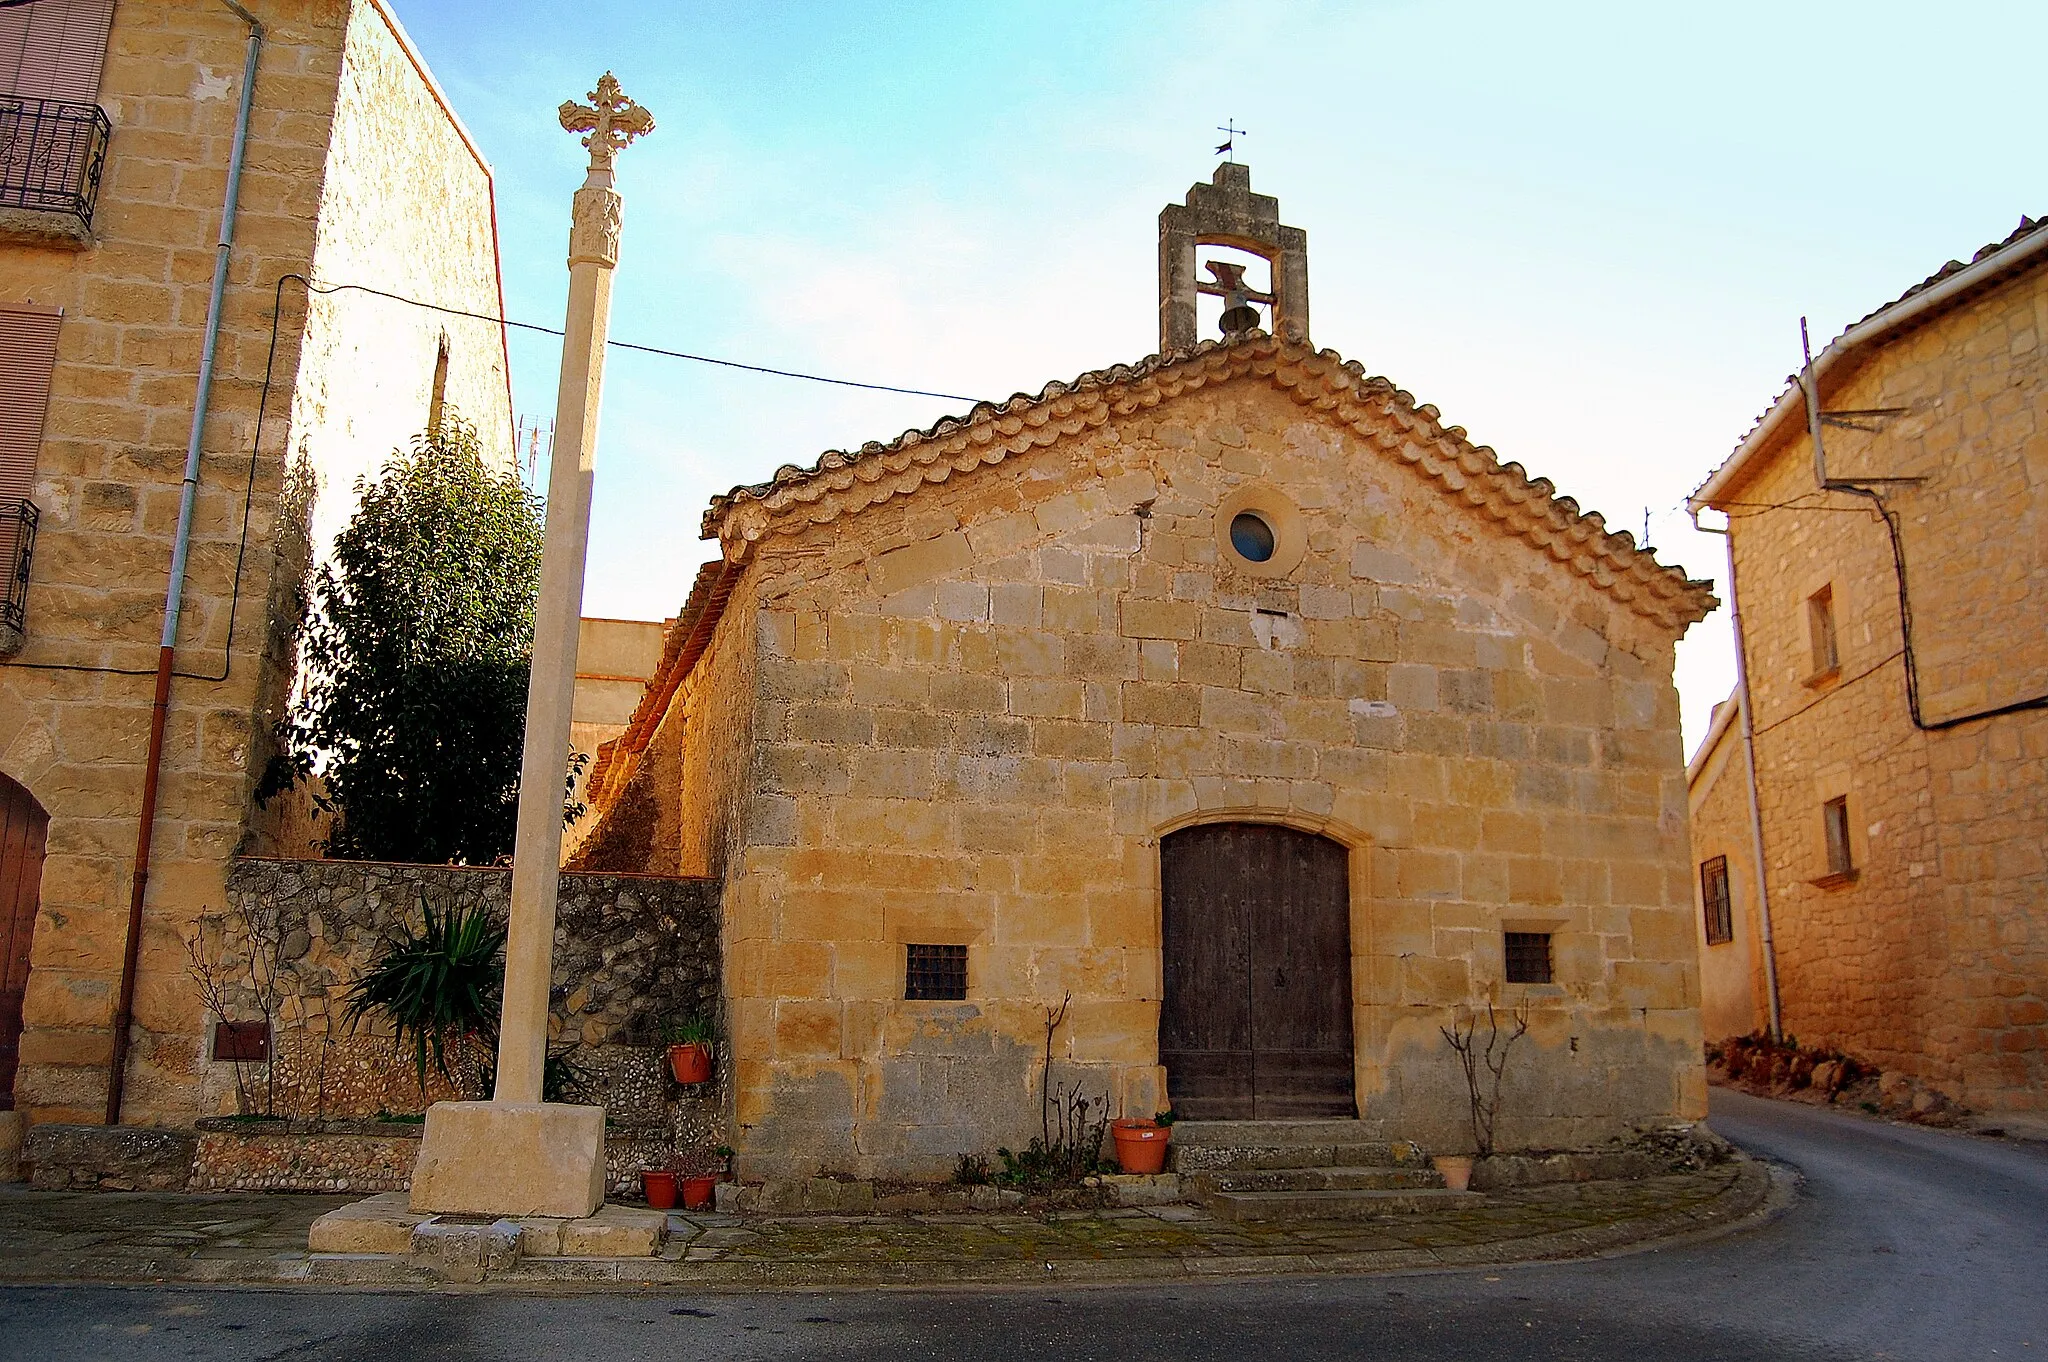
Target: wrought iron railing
x,y
17,551
51,155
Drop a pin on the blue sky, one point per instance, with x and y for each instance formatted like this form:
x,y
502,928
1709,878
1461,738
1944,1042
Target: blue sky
x,y
1586,232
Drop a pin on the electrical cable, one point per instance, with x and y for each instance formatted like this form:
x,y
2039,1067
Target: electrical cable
x,y
269,371
629,345
1898,547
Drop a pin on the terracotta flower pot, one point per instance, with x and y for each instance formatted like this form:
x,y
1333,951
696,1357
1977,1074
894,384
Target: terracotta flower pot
x,y
659,1187
690,1063
1456,1170
1140,1145
699,1191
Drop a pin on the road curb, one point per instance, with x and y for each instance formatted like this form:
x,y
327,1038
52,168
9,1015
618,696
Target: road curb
x,y
1758,1194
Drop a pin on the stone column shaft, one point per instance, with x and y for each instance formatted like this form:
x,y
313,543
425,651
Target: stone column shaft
x,y
551,687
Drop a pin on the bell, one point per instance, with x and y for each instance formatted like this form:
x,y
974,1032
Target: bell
x,y
1239,318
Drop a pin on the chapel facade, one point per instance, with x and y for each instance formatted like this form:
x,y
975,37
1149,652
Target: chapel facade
x,y
1209,732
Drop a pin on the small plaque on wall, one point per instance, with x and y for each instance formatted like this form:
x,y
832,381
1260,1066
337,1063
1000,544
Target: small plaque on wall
x,y
243,1041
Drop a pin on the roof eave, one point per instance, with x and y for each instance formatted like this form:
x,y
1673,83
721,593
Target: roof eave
x,y
1864,334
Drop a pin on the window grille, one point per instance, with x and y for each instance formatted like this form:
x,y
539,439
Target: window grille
x,y
1528,955
1835,820
1714,896
1820,627
936,973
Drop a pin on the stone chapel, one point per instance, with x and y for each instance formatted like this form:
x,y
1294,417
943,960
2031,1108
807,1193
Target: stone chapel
x,y
1230,698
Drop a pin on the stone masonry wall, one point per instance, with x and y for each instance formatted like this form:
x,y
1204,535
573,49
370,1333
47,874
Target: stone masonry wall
x,y
979,707
1734,997
110,466
1933,961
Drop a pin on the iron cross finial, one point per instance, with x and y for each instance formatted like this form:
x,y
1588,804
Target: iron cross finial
x,y
611,120
1231,132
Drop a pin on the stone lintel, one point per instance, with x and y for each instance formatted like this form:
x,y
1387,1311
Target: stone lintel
x,y
511,1159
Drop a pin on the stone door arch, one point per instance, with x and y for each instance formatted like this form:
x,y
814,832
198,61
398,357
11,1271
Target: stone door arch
x,y
1256,1019
23,827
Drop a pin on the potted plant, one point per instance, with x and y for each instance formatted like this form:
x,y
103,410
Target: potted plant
x,y
1141,1142
658,1185
689,1050
698,1173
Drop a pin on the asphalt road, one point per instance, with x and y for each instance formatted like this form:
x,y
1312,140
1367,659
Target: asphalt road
x,y
1904,1243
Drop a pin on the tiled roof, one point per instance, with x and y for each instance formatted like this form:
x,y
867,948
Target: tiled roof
x,y
841,483
2027,229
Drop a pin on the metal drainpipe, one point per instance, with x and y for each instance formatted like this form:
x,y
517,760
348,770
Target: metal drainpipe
x,y
1756,816
152,771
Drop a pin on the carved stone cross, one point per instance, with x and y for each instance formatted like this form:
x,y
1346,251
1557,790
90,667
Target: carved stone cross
x,y
611,119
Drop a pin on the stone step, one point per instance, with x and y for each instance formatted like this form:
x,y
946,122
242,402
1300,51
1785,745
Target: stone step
x,y
1200,1146
1338,1179
1334,1205
1322,1130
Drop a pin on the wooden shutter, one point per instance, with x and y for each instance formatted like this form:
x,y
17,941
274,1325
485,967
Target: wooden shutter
x,y
28,353
53,49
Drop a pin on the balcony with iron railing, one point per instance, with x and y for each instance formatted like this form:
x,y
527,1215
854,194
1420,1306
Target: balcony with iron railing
x,y
17,551
51,156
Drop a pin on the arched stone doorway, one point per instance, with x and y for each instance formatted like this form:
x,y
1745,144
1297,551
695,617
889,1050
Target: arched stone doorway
x,y
1256,1021
23,826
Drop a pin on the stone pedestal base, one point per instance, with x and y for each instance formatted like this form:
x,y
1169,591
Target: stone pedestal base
x,y
464,1248
510,1159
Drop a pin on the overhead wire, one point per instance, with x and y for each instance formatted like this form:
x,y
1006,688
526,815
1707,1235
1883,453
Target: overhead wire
x,y
633,345
262,406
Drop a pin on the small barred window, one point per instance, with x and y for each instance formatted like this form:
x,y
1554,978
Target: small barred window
x,y
1528,957
1714,898
937,973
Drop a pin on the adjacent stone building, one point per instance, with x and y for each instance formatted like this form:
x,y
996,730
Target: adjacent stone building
x,y
1891,611
118,122
1229,709
614,661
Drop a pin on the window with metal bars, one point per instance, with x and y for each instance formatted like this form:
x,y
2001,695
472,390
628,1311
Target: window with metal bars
x,y
935,973
1835,822
1528,955
1714,898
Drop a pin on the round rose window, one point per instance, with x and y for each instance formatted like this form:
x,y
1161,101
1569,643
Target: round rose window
x,y
1251,536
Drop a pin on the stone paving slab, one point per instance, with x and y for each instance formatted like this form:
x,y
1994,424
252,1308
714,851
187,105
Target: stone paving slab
x,y
260,1238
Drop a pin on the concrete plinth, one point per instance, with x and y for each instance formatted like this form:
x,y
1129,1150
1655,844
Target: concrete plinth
x,y
511,1159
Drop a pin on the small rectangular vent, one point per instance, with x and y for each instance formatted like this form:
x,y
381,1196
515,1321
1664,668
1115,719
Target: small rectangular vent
x,y
935,973
248,1042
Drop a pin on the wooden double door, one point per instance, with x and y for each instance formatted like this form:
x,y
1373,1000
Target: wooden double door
x,y
1256,1021
23,826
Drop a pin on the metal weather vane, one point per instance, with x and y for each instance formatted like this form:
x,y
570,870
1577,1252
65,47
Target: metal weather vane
x,y
1231,132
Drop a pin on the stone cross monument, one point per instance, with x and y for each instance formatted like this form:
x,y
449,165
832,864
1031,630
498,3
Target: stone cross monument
x,y
515,1154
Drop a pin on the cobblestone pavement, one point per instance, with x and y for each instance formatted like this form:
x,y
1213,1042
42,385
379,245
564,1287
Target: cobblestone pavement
x,y
261,1238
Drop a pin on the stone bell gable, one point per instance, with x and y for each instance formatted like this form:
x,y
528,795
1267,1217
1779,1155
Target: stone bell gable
x,y
962,691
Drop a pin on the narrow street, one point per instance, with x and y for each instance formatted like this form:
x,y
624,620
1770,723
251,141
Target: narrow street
x,y
1904,1243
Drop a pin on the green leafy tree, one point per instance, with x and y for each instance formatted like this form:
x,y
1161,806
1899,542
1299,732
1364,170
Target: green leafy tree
x,y
416,658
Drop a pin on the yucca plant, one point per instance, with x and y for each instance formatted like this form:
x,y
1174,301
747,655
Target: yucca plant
x,y
438,987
